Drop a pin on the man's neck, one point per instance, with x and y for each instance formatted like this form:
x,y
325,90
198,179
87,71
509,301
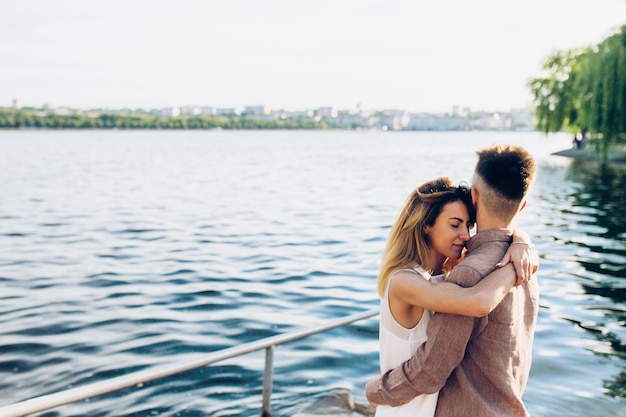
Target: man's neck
x,y
490,221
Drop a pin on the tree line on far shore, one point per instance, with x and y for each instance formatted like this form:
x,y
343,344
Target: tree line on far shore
x,y
584,90
30,118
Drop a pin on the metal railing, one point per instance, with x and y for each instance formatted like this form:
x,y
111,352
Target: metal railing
x,y
73,395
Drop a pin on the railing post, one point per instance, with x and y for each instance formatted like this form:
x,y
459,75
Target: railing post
x,y
268,377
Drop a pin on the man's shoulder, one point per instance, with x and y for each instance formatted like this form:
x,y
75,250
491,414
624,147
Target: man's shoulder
x,y
490,236
486,249
486,255
464,274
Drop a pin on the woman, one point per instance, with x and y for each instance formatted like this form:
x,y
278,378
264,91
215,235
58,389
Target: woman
x,y
429,236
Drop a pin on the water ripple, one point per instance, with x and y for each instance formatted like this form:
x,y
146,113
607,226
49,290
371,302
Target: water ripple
x,y
182,244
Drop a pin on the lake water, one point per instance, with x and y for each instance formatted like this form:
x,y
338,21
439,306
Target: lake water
x,y
121,250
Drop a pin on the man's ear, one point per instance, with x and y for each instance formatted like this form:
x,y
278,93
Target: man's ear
x,y
474,193
521,207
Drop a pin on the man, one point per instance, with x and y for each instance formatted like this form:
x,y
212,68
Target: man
x,y
479,365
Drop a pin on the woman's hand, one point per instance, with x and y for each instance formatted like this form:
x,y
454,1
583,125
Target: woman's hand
x,y
525,260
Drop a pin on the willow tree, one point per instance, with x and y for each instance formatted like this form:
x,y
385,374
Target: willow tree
x,y
585,89
556,103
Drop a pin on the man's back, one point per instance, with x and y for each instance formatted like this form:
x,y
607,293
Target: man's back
x,y
481,365
492,376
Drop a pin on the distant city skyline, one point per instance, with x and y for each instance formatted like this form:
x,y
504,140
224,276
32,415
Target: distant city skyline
x,y
238,109
248,117
394,54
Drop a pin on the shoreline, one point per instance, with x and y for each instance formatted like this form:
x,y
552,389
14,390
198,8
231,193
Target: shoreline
x,y
616,156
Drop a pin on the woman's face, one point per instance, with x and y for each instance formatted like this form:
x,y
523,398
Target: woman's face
x,y
449,232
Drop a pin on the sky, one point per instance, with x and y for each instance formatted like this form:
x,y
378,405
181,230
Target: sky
x,y
414,55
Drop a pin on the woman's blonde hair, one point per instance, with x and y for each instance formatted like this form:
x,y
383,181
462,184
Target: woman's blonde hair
x,y
408,245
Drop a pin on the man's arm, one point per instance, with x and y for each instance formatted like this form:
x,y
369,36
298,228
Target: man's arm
x,y
431,365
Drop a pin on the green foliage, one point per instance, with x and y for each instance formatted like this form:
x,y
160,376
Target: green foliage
x,y
555,94
585,89
604,92
30,118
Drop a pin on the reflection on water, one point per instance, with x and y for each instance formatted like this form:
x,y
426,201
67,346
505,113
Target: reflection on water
x,y
604,190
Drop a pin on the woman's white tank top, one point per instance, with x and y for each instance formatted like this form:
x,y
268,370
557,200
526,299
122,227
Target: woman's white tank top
x,y
397,344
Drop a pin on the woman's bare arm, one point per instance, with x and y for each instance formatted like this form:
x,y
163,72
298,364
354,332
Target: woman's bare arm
x,y
446,297
516,267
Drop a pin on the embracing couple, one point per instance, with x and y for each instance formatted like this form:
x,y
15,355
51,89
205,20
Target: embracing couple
x,y
456,337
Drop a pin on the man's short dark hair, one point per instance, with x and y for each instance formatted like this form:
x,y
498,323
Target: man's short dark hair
x,y
508,170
